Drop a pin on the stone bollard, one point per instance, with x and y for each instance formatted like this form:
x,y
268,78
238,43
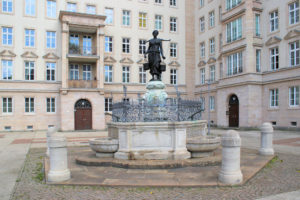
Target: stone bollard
x,y
58,160
50,132
230,172
266,140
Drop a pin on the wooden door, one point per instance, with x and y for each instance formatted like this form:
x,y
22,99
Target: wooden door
x,y
233,111
83,119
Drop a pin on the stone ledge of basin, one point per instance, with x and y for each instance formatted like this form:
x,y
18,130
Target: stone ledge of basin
x,y
167,123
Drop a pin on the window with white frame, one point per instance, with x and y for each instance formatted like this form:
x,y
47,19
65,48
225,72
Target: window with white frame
x,y
212,70
212,46
29,105
142,47
51,8
87,45
142,20
202,50
51,104
202,24
274,98
158,1
294,53
211,103
86,72
274,58
108,104
108,44
125,74
258,60
173,50
126,18
173,24
7,106
173,3
234,30
202,74
51,39
202,100
30,7
142,75
294,96
74,72
201,3
158,22
274,21
235,63
126,45
257,25
173,76
7,69
29,38
50,72
212,19
91,9
7,6
71,7
294,12
29,70
232,3
109,13
108,71
7,36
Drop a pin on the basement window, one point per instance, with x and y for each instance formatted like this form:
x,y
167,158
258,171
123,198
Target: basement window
x,y
30,127
274,123
293,123
7,128
50,126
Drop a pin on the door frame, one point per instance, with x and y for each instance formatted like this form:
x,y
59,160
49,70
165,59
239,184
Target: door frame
x,y
236,103
83,104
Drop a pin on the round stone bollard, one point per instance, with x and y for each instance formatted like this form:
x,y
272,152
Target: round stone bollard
x,y
50,132
230,172
266,139
58,160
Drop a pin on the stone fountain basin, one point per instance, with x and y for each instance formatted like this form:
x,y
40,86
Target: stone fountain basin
x,y
203,146
104,145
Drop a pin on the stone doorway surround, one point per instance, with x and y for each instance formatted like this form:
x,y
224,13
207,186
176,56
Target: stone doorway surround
x,y
83,115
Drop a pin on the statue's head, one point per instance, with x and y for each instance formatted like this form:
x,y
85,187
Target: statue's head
x,y
155,33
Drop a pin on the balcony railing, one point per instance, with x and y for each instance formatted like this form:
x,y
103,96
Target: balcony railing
x,y
82,83
82,50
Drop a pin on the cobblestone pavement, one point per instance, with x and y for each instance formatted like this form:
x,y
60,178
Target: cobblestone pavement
x,y
281,175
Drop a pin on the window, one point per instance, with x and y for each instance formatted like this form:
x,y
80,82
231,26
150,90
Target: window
x,y
108,74
90,9
51,39
173,50
158,1
172,2
294,12
7,69
142,46
235,63
126,45
74,40
87,45
232,3
258,60
274,21
29,70
50,105
126,74
294,96
201,3
50,73
108,44
158,22
211,103
257,25
86,72
173,24
29,105
142,20
212,19
274,58
71,7
29,37
7,105
51,8
294,53
274,98
202,74
212,45
109,12
202,24
173,76
7,6
143,75
212,73
202,100
30,7
126,18
234,30
7,36
108,104
202,50
74,72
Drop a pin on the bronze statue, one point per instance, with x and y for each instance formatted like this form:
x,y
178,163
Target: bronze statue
x,y
154,51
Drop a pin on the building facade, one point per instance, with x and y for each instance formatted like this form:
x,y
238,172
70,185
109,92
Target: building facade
x,y
64,62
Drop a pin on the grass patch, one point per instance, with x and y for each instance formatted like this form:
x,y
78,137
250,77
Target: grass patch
x,y
273,161
39,172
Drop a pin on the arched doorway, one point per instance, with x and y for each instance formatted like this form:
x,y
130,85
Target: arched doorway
x,y
83,115
233,111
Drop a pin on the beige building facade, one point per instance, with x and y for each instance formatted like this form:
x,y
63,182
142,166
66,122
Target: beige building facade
x,y
64,62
